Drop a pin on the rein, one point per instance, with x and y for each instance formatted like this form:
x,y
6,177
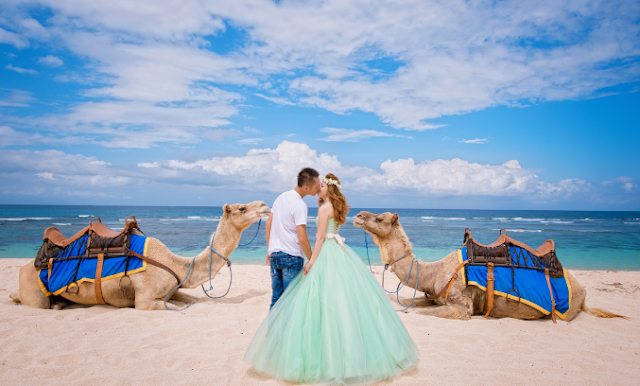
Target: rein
x,y
400,285
211,251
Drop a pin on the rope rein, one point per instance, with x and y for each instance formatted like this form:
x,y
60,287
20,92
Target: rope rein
x,y
367,246
400,285
211,251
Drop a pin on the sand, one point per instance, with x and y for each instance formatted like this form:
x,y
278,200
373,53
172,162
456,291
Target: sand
x,y
103,345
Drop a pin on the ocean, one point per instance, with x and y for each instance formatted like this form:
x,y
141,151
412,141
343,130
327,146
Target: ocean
x,y
584,240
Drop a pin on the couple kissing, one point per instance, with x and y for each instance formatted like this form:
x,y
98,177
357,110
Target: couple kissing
x,y
329,319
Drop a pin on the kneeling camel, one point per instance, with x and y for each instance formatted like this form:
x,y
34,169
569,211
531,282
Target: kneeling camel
x,y
149,287
463,302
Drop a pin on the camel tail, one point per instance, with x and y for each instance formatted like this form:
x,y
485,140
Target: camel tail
x,y
600,313
15,297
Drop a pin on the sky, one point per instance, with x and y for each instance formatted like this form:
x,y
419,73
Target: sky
x,y
412,104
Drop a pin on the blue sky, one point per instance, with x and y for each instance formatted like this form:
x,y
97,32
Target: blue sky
x,y
419,104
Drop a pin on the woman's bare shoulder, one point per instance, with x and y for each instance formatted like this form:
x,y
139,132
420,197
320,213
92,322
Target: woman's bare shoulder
x,y
326,209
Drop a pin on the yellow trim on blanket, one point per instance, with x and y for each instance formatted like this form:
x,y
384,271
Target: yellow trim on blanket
x,y
525,301
83,280
42,287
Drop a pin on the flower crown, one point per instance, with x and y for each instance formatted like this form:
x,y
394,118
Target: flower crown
x,y
330,181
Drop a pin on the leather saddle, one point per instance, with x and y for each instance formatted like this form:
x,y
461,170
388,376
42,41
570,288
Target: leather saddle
x,y
501,253
100,239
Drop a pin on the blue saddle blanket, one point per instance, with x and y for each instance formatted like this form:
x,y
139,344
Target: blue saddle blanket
x,y
531,284
63,271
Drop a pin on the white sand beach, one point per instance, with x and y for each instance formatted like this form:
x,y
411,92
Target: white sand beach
x,y
204,345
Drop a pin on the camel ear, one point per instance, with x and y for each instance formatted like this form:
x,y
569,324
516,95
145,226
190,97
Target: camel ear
x,y
226,208
394,219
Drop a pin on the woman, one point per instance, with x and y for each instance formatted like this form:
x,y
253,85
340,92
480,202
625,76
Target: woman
x,y
333,323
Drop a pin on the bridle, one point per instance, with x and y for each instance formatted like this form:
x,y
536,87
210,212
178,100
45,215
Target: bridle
x,y
211,252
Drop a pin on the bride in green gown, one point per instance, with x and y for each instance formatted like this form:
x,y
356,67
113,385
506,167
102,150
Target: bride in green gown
x,y
333,324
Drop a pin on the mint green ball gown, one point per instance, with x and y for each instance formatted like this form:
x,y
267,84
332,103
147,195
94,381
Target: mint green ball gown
x,y
334,325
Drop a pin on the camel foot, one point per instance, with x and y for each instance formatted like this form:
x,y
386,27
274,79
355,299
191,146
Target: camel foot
x,y
184,298
15,297
446,312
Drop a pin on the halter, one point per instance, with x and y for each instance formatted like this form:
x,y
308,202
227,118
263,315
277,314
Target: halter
x,y
211,251
400,285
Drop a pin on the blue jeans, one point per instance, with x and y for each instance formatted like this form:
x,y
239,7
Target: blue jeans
x,y
284,268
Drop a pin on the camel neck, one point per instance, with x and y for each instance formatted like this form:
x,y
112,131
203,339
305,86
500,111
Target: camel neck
x,y
224,242
427,271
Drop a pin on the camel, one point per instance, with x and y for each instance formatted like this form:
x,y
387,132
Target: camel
x,y
149,287
463,302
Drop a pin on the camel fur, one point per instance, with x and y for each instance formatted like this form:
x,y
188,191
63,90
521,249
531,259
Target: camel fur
x,y
463,302
149,287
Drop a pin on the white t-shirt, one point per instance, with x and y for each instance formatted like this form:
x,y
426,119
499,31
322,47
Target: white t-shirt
x,y
289,210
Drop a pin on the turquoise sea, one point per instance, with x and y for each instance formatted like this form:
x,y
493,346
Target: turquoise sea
x,y
584,240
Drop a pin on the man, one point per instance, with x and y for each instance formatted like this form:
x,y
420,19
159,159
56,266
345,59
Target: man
x,y
286,231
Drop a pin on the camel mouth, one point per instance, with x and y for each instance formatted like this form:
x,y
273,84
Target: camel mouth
x,y
264,212
358,222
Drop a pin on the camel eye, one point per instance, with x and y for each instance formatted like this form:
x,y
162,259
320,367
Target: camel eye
x,y
241,208
379,220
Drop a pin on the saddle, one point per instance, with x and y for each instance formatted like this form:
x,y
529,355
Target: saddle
x,y
96,241
100,239
507,252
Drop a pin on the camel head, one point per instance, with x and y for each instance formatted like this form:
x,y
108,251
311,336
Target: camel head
x,y
387,233
381,225
241,216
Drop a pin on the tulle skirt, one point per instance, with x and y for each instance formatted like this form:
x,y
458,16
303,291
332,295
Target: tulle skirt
x,y
334,325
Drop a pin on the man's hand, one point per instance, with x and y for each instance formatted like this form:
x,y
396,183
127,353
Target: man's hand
x,y
307,267
268,262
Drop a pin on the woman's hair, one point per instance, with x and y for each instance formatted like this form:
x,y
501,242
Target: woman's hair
x,y
338,200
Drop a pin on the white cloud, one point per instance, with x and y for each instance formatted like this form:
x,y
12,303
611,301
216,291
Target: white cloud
x,y
477,141
21,70
250,141
51,61
458,177
274,170
13,39
46,175
277,100
406,62
271,169
625,183
346,135
148,164
17,98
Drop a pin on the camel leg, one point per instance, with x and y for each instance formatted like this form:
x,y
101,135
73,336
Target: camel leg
x,y
184,298
149,304
458,307
448,311
29,290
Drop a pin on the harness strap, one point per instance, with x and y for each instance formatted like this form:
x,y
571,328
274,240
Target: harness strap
x,y
553,302
447,287
98,280
50,267
153,262
490,286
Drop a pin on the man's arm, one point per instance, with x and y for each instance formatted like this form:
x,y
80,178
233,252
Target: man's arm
x,y
267,231
304,240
